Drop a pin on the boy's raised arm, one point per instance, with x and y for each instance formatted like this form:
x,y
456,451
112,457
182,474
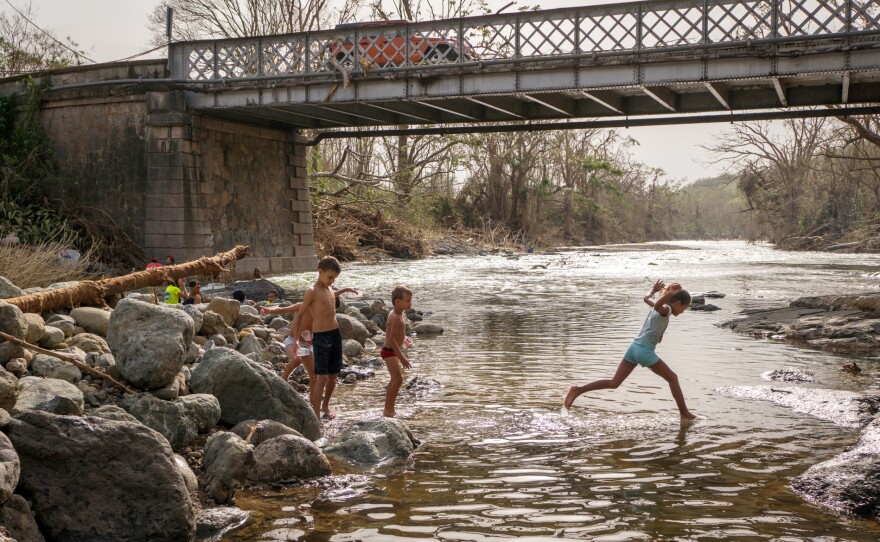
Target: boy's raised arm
x,y
339,292
654,289
280,310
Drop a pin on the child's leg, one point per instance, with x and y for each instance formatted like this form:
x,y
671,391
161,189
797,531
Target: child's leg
x,y
316,392
623,371
328,392
309,363
394,384
292,364
663,370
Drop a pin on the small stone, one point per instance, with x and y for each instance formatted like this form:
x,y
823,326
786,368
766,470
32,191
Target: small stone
x,y
17,366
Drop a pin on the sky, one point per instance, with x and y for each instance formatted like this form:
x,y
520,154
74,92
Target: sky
x,y
113,29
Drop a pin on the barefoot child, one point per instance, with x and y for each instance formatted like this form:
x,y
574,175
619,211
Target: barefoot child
x,y
674,300
320,302
401,300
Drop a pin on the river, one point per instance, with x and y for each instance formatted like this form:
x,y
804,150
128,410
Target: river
x,y
499,459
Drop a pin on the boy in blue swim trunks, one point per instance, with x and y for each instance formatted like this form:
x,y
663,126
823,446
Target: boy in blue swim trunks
x,y
673,301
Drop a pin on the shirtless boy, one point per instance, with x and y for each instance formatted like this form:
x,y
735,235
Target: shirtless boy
x,y
395,328
320,302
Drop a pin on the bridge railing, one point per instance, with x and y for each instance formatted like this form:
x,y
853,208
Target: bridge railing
x,y
615,29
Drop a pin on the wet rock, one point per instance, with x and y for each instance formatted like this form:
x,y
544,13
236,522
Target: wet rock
x,y
17,518
257,289
189,477
419,385
227,462
179,421
226,308
850,482
373,442
113,412
352,348
92,319
844,408
52,337
707,307
10,469
100,480
39,393
789,374
427,328
88,342
357,372
352,328
8,389
7,289
149,342
264,430
288,457
215,522
247,391
36,327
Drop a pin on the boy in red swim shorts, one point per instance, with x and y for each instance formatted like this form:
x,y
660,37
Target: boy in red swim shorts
x,y
395,331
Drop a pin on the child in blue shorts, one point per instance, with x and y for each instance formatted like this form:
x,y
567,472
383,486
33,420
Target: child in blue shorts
x,y
673,301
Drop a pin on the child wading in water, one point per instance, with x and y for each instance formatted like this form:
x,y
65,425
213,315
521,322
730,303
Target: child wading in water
x,y
401,300
674,300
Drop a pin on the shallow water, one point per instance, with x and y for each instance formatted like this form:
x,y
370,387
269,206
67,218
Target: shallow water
x,y
501,460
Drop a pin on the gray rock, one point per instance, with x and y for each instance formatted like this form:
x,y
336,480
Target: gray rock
x,y
5,418
37,393
226,308
215,522
850,482
8,389
149,342
226,463
189,477
18,367
49,367
789,374
89,343
7,289
10,351
250,344
844,408
212,324
373,442
265,430
17,518
91,479
380,321
92,319
168,392
36,327
179,421
247,320
427,328
52,337
248,391
421,386
10,469
197,317
277,323
58,318
257,289
288,457
12,321
352,328
62,406
113,412
352,348
357,372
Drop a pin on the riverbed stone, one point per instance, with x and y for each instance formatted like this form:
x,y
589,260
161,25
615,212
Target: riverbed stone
x,y
41,393
18,520
373,442
265,429
149,342
12,321
92,479
288,457
212,324
180,421
352,348
89,342
849,483
214,522
789,374
7,289
352,328
52,337
843,408
427,328
250,344
92,319
189,477
10,469
197,316
49,367
8,389
36,327
113,412
247,390
18,367
168,392
226,308
226,464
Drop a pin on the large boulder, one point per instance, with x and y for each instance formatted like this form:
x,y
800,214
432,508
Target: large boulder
x,y
7,289
8,389
92,319
226,308
263,430
113,412
16,517
373,442
247,391
352,328
149,342
286,458
250,344
257,289
227,461
10,468
48,394
850,482
180,421
92,479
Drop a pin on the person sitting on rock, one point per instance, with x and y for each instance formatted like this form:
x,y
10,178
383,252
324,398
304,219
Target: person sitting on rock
x,y
271,297
257,273
195,294
172,293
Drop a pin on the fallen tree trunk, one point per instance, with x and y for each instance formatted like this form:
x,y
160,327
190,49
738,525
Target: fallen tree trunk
x,y
95,292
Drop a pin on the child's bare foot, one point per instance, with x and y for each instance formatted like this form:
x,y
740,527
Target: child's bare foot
x,y
570,397
329,414
391,415
688,417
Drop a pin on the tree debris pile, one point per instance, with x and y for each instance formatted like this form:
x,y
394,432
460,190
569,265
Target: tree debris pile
x,y
346,230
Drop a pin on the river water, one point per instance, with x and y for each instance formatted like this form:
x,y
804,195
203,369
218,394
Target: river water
x,y
499,459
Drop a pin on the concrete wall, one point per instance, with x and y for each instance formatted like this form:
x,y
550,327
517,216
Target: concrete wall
x,y
178,182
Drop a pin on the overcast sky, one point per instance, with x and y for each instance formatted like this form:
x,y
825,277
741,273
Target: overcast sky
x,y
113,29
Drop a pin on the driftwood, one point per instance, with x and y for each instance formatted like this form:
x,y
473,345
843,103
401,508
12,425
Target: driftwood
x,y
95,292
69,359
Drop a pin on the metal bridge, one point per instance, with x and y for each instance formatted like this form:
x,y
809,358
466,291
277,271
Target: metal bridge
x,y
654,62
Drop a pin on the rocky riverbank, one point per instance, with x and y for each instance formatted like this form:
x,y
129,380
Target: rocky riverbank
x,y
82,458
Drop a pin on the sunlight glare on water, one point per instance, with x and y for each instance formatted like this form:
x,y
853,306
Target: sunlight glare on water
x,y
499,459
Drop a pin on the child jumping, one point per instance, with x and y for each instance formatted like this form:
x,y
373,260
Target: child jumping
x,y
395,331
674,300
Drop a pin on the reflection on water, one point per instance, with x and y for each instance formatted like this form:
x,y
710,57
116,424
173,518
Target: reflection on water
x,y
501,460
